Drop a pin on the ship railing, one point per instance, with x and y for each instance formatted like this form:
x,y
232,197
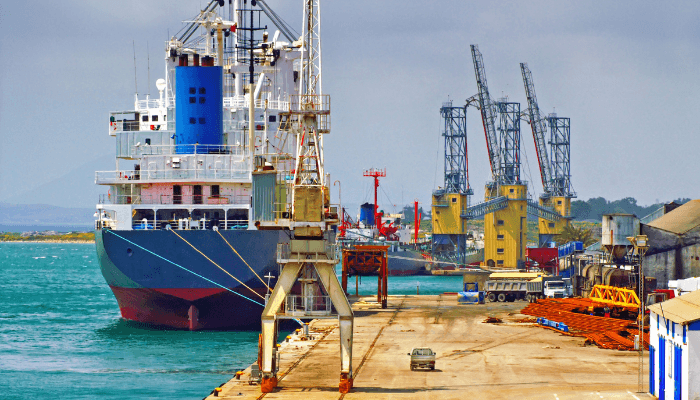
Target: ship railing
x,y
168,199
186,224
311,104
242,101
300,306
142,105
128,176
330,253
183,149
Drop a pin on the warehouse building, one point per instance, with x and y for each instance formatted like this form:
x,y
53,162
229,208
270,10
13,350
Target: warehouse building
x,y
674,348
674,240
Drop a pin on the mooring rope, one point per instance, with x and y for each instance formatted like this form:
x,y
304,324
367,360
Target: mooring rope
x,y
244,262
212,261
181,267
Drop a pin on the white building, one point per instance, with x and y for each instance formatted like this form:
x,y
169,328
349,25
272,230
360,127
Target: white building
x,y
674,351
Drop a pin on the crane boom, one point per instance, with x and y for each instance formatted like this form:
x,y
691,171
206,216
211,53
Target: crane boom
x,y
538,130
488,113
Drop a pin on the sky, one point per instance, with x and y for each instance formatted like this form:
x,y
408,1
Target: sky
x,y
625,72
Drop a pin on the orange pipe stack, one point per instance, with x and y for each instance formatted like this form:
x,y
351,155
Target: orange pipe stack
x,y
607,333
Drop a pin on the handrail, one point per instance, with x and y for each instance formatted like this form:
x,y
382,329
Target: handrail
x,y
188,224
129,176
165,199
186,149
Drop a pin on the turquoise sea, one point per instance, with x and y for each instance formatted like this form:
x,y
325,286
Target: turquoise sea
x,y
61,335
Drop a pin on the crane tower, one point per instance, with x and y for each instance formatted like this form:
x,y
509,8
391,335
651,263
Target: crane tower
x,y
555,165
505,207
449,238
308,258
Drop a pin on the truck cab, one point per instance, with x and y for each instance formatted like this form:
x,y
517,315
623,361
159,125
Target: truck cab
x,y
555,289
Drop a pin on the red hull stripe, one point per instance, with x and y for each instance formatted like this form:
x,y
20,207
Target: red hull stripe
x,y
191,294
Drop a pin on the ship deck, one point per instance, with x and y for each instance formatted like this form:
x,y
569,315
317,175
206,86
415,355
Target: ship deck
x,y
511,359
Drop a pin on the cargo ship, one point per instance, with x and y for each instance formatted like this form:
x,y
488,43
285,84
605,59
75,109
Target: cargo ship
x,y
178,233
374,227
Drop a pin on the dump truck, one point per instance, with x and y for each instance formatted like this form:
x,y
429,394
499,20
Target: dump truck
x,y
546,287
505,290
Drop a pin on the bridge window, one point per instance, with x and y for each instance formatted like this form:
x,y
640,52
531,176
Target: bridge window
x,y
144,118
193,90
202,100
202,90
202,121
273,118
499,262
499,237
454,199
499,251
551,224
500,222
193,100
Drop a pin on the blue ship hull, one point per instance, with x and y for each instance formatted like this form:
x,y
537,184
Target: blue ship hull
x,y
139,267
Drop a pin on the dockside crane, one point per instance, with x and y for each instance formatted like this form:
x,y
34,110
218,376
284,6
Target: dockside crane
x,y
308,258
449,238
555,172
506,204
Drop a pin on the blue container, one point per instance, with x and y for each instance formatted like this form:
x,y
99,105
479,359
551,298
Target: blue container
x,y
367,214
199,109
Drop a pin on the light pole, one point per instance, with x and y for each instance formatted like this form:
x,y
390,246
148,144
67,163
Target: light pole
x,y
340,205
641,245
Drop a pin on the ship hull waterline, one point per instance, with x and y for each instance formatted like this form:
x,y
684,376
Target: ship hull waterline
x,y
195,294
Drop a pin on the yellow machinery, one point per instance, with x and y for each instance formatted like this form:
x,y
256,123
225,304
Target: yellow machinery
x,y
446,214
505,231
615,297
562,205
308,258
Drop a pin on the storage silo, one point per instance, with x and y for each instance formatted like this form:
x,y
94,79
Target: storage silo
x,y
615,231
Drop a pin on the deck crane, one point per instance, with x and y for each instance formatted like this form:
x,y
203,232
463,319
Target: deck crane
x,y
555,173
308,257
506,205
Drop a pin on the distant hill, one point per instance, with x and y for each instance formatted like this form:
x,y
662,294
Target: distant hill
x,y
76,188
44,215
593,209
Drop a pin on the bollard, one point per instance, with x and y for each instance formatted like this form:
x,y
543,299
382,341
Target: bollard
x,y
217,391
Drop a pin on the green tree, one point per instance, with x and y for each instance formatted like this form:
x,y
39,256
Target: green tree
x,y
572,233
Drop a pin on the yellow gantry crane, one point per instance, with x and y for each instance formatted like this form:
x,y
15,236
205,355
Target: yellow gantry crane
x,y
506,204
555,166
308,258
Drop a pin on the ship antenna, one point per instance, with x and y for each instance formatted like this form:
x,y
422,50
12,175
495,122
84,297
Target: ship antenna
x,y
136,86
148,84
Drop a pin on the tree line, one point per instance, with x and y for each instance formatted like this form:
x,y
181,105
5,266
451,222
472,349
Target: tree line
x,y
594,209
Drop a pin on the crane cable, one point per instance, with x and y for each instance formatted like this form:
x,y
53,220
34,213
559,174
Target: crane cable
x,y
181,267
212,261
244,262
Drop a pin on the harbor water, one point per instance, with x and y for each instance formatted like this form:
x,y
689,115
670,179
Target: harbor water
x,y
61,335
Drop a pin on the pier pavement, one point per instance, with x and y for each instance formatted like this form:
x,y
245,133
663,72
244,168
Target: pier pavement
x,y
475,360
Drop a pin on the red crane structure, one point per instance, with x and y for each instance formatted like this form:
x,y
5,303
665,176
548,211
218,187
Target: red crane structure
x,y
388,230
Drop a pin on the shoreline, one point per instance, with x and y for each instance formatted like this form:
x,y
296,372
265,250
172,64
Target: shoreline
x,y
54,241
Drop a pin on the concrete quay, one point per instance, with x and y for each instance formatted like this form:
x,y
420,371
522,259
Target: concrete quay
x,y
475,360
